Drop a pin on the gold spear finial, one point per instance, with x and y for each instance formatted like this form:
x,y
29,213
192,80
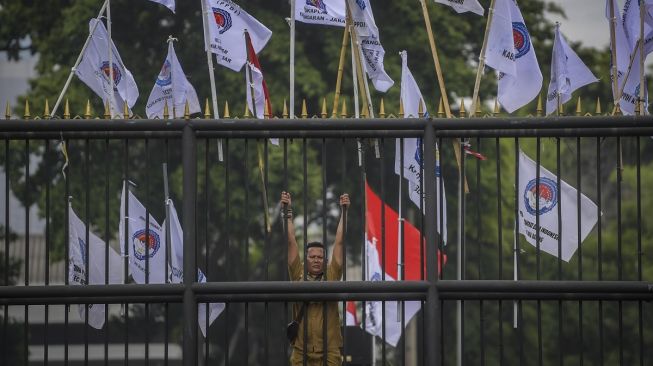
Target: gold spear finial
x,y
478,111
166,110
46,109
207,110
125,110
107,113
420,109
496,110
285,114
246,115
304,110
401,108
226,110
66,110
598,106
579,108
266,110
441,108
538,110
87,113
7,111
187,111
324,108
462,112
382,109
27,114
343,112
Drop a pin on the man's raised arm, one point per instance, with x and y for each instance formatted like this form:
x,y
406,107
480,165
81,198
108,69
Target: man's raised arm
x,y
293,250
337,253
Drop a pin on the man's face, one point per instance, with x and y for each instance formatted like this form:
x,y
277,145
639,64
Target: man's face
x,y
315,261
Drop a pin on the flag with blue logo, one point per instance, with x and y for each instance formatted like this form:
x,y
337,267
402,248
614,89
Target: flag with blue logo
x,y
462,6
370,43
325,12
411,97
568,73
227,23
510,52
177,269
170,4
631,25
171,87
145,244
95,251
94,71
540,198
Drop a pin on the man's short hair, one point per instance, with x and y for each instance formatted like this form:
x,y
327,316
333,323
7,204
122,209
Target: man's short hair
x,y
314,244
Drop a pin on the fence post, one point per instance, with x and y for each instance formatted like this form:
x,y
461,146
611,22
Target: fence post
x,y
432,331
189,159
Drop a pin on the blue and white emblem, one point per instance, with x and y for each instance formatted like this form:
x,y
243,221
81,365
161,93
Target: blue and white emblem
x,y
319,4
222,19
165,76
548,196
143,250
521,38
117,75
361,4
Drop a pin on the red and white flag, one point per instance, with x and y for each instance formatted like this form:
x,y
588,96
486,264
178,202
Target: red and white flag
x,y
257,90
351,318
413,265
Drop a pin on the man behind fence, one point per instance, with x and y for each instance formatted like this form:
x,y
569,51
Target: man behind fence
x,y
313,312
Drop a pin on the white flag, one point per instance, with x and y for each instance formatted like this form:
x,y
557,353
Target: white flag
x,y
411,97
170,4
631,25
177,270
257,102
146,245
94,68
171,87
372,50
78,250
510,52
461,6
375,319
568,73
325,12
227,24
547,210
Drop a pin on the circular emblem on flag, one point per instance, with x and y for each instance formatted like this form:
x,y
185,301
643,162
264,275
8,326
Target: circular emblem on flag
x,y
521,38
165,76
548,196
117,75
222,19
82,249
319,4
138,243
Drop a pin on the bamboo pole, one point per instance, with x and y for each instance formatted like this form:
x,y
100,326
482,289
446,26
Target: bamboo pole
x,y
341,67
481,57
613,43
642,83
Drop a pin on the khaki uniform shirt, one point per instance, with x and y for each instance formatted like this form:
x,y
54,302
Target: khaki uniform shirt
x,y
314,313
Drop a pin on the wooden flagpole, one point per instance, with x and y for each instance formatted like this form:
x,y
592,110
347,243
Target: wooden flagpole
x,y
481,57
613,43
443,90
642,84
341,67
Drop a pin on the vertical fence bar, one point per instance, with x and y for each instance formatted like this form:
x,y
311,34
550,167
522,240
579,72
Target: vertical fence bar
x,y
66,259
305,232
6,253
599,242
343,169
87,215
107,236
325,322
538,256
432,331
125,239
560,233
46,145
639,246
166,306
147,250
480,252
580,249
284,261
189,158
246,244
207,167
619,253
27,206
226,246
267,255
500,241
383,245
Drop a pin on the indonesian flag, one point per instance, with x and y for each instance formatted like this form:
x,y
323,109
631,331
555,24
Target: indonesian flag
x,y
257,90
95,70
172,87
543,202
376,319
325,12
145,244
227,23
96,250
177,270
511,53
170,4
352,319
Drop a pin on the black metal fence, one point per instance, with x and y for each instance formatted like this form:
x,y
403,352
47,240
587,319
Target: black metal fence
x,y
595,309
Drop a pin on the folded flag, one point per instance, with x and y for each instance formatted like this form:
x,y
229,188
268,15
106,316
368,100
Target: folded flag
x,y
568,73
95,72
95,250
325,12
352,319
171,87
510,52
227,23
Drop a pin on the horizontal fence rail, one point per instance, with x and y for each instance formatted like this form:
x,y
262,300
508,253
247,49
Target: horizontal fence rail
x,y
488,293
